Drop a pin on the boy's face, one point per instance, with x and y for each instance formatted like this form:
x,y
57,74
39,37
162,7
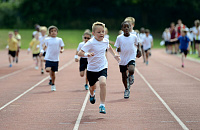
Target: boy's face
x,y
37,36
183,33
99,33
43,32
86,38
15,33
53,32
10,35
126,29
147,34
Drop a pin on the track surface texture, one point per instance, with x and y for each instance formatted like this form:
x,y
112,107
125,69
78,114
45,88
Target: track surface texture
x,y
163,97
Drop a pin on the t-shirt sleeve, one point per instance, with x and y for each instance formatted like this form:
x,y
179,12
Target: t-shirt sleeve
x,y
61,43
179,39
78,48
136,40
86,47
31,43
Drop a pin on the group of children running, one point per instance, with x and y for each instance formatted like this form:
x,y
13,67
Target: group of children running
x,y
92,52
180,37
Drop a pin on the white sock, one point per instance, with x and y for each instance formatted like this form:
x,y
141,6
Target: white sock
x,y
49,78
102,105
92,95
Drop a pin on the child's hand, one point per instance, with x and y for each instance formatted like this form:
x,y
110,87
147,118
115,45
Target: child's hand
x,y
139,54
188,48
41,54
90,54
118,49
117,57
62,50
76,60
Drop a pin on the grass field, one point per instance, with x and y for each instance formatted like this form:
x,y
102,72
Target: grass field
x,y
71,38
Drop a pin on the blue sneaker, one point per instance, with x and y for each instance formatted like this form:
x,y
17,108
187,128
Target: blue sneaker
x,y
147,62
102,110
86,87
10,65
92,99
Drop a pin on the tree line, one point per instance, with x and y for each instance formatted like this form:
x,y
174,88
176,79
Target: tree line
x,y
80,14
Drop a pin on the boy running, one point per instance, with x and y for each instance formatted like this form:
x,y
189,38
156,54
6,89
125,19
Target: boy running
x,y
53,46
147,45
12,47
95,50
35,47
127,45
83,60
18,37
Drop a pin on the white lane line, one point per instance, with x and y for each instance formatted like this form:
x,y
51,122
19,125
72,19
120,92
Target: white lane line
x,y
18,71
180,71
76,126
163,102
67,64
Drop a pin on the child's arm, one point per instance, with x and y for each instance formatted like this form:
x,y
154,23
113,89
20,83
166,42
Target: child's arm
x,y
62,49
76,56
189,46
117,57
81,53
173,40
139,54
42,51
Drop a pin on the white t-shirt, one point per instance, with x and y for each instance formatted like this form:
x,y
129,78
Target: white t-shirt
x,y
142,35
41,39
97,62
195,31
166,36
190,36
53,48
106,36
147,42
128,46
135,33
80,46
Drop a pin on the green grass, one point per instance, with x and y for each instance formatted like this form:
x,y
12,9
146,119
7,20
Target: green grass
x,y
194,56
71,38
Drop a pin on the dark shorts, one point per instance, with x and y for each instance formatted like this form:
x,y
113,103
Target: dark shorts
x,y
44,54
172,43
147,49
184,51
93,76
124,68
36,55
197,41
52,64
167,43
83,64
12,53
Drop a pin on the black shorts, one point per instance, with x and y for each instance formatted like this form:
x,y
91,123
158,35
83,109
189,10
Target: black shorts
x,y
197,41
36,55
44,54
83,64
93,76
167,43
184,51
124,68
172,43
12,53
52,64
147,49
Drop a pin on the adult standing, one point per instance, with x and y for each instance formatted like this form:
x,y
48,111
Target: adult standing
x,y
196,32
173,36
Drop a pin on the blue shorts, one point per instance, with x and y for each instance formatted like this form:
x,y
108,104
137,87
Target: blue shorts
x,y
83,64
52,64
93,76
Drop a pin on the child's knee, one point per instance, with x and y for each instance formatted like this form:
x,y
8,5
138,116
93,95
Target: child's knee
x,y
48,69
103,84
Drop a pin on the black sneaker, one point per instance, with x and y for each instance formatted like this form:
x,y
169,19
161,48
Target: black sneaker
x,y
42,71
92,99
16,60
50,82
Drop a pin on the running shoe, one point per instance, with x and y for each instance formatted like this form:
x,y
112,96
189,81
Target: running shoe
x,y
147,62
182,66
53,88
86,87
42,71
36,67
102,110
50,82
126,93
10,65
92,99
131,79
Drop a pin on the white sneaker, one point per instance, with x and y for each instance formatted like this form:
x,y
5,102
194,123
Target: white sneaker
x,y
53,88
36,67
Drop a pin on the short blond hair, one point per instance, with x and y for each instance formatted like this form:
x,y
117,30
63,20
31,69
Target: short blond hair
x,y
10,33
130,19
97,24
43,28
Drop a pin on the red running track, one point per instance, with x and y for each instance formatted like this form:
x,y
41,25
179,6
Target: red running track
x,y
164,96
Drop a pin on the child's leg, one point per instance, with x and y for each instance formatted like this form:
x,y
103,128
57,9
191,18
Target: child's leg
x,y
182,59
37,61
131,69
82,73
92,88
124,79
9,59
143,54
197,47
86,80
102,83
53,77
